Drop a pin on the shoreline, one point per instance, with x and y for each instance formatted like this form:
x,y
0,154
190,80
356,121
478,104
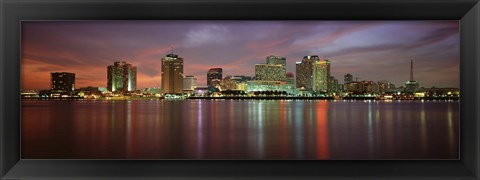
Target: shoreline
x,y
244,98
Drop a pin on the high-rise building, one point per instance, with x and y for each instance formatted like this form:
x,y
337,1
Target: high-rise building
x,y
348,78
333,84
274,70
122,77
172,74
270,72
411,86
63,82
214,76
321,76
189,83
304,71
277,60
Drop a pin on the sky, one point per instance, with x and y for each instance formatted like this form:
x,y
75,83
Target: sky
x,y
369,50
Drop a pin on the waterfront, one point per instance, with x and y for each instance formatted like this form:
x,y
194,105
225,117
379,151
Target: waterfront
x,y
239,129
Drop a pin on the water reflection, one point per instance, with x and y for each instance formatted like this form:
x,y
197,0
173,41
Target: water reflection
x,y
322,130
423,131
226,129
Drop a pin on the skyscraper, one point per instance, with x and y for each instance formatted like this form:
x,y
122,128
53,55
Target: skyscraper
x,y
63,82
304,71
172,74
321,75
411,86
214,76
122,77
277,60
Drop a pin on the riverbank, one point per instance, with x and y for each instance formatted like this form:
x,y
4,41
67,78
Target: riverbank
x,y
244,98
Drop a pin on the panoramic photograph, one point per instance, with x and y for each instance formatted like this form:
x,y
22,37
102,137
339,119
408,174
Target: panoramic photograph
x,y
241,90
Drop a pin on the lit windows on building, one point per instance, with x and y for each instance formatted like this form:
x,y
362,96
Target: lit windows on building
x,y
172,74
63,82
384,86
253,86
214,76
269,72
304,70
121,77
333,87
362,87
189,83
277,60
321,76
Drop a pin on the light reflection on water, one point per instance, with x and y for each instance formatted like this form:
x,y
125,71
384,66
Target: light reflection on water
x,y
248,129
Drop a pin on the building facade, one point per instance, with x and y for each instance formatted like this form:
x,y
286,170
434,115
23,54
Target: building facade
x,y
277,60
304,70
189,83
333,87
63,82
214,76
121,77
384,86
269,72
347,78
290,78
257,85
321,76
172,74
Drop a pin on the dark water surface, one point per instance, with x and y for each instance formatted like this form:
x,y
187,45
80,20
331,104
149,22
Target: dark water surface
x,y
240,129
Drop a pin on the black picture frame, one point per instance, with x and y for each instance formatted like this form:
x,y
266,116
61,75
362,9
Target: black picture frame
x,y
13,11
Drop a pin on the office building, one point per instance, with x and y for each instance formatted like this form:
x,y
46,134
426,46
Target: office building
x,y
214,76
121,77
321,76
274,69
172,74
277,60
63,82
189,83
269,72
333,87
229,83
304,71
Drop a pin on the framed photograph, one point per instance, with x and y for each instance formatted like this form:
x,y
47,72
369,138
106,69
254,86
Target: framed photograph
x,y
228,89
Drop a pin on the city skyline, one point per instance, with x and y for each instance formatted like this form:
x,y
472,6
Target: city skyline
x,y
370,50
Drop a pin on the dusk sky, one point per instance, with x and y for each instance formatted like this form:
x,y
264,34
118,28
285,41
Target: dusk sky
x,y
369,50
